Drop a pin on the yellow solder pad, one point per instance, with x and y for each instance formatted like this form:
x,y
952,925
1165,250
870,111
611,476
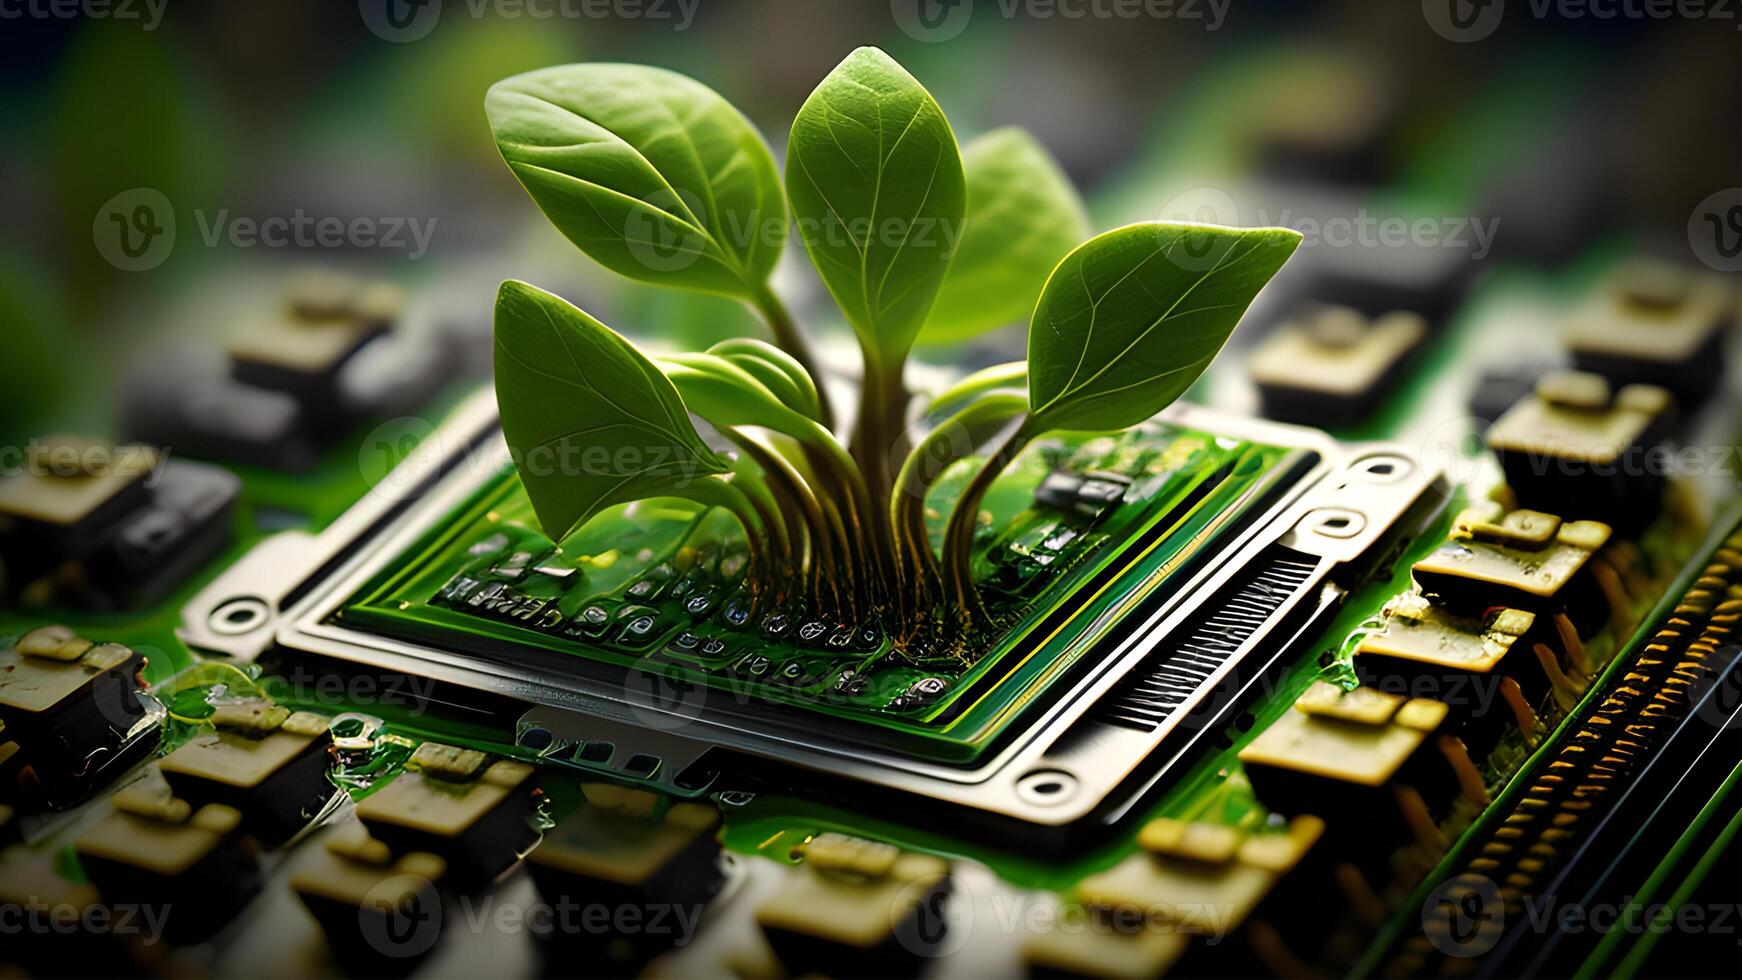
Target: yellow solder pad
x,y
1419,631
1653,313
1336,351
439,806
1527,550
1365,754
71,478
163,847
1207,892
235,759
612,846
849,908
1573,416
35,684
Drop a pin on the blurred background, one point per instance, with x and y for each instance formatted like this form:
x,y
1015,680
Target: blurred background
x,y
152,148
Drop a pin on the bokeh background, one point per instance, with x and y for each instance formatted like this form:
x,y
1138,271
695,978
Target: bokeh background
x,y
1577,132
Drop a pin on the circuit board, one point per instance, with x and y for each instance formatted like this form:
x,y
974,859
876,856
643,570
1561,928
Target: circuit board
x,y
1374,650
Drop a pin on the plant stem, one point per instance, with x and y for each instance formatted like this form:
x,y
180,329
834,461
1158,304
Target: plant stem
x,y
964,520
790,338
952,440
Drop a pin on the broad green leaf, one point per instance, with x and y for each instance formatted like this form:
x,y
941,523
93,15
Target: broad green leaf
x,y
1023,217
876,185
651,173
779,372
590,421
1132,317
998,377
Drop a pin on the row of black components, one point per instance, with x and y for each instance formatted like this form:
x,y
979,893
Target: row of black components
x,y
327,358
109,527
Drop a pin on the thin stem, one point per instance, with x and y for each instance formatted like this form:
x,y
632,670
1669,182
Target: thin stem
x,y
952,440
959,538
790,486
790,338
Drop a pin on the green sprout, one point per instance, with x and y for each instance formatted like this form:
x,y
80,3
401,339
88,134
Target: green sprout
x,y
658,178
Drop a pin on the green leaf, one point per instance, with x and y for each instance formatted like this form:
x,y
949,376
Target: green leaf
x,y
779,372
651,173
998,377
1023,217
877,188
590,421
727,395
1132,317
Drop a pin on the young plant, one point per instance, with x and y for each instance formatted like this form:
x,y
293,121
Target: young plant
x,y
656,177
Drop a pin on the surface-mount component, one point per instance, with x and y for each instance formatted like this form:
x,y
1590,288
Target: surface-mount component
x,y
156,851
75,711
1659,325
268,763
1486,669
458,804
1522,559
1342,756
631,851
381,914
1330,366
1577,448
857,908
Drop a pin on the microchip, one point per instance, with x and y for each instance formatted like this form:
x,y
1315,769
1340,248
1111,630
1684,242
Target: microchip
x,y
1659,325
1331,366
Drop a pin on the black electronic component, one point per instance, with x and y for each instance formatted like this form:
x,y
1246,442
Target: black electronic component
x,y
110,527
267,763
628,850
1573,448
456,804
74,710
1371,764
157,851
1522,559
1486,669
1658,325
381,914
1331,366
858,909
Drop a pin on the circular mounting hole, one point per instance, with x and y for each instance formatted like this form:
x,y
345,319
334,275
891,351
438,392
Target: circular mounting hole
x,y
1335,522
239,616
1384,469
1046,787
